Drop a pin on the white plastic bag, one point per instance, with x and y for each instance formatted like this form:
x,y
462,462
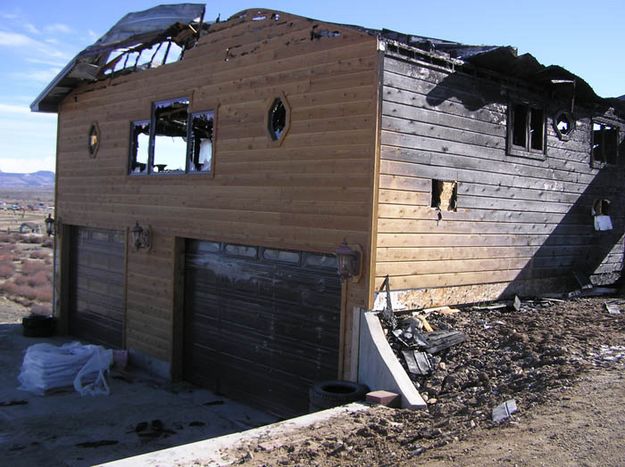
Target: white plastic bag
x,y
46,367
99,363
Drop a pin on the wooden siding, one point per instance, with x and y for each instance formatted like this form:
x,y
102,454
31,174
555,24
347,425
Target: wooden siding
x,y
308,193
522,225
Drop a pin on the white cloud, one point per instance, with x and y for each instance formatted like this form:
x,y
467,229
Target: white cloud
x,y
92,34
9,15
39,76
58,27
31,28
43,61
14,39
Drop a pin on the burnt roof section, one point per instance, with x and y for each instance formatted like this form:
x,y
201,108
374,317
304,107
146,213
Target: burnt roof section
x,y
153,25
179,23
505,61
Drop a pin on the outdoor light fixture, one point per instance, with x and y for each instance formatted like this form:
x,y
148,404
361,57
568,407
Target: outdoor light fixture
x,y
349,261
50,225
141,237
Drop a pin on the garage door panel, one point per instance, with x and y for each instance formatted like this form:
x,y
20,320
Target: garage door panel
x,y
96,299
276,319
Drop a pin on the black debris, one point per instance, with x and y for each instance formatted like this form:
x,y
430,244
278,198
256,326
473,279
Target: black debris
x,y
12,402
97,444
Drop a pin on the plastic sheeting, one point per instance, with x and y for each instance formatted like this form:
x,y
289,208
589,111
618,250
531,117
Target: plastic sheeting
x,y
47,367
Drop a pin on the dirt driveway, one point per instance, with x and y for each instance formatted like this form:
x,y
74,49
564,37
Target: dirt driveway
x,y
140,415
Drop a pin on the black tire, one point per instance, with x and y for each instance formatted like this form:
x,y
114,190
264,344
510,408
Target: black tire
x,y
328,394
38,326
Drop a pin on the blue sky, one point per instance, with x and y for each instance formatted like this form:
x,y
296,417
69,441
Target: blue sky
x,y
37,38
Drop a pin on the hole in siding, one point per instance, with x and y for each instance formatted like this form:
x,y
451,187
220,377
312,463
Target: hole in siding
x,y
444,195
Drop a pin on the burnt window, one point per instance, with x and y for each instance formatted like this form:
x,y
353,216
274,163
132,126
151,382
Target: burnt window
x,y
139,146
601,214
170,136
94,139
201,142
526,130
564,124
444,195
174,141
277,120
604,144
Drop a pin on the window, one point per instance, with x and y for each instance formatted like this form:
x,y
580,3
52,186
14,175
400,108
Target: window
x,y
139,146
601,214
604,144
173,141
444,195
94,139
564,124
277,120
526,130
201,142
169,150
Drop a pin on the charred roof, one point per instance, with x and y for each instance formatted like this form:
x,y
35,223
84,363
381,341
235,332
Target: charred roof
x,y
148,38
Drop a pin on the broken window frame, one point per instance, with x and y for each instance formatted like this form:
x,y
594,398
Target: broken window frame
x,y
188,138
605,129
192,156
132,161
564,136
527,148
164,104
601,214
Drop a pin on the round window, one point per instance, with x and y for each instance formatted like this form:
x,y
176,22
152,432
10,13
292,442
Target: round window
x,y
564,124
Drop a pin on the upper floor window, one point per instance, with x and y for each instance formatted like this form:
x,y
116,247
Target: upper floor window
x,y
169,148
173,141
201,142
604,144
526,130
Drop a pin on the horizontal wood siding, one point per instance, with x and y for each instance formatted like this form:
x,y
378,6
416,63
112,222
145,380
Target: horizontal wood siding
x,y
308,193
522,225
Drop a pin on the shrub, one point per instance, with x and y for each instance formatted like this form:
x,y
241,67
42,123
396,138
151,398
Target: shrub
x,y
42,294
44,310
32,238
7,269
47,242
34,266
39,254
6,237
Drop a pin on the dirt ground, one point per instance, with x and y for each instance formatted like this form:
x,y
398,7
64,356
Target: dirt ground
x,y
562,363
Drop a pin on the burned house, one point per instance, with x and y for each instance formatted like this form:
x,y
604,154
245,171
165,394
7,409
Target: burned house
x,y
208,173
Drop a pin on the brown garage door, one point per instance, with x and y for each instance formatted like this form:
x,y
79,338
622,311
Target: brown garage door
x,y
261,325
97,286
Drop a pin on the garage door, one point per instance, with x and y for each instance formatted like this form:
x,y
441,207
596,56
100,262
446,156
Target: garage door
x,y
261,325
97,286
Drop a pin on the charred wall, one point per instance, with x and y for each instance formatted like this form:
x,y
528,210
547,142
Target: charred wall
x,y
518,224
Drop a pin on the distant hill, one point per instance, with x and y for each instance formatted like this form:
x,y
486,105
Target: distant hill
x,y
40,179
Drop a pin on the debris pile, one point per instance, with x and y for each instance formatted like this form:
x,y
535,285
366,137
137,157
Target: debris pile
x,y
513,358
467,362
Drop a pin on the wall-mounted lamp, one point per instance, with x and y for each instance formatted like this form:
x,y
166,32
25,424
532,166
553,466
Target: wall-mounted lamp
x,y
50,225
349,261
141,236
